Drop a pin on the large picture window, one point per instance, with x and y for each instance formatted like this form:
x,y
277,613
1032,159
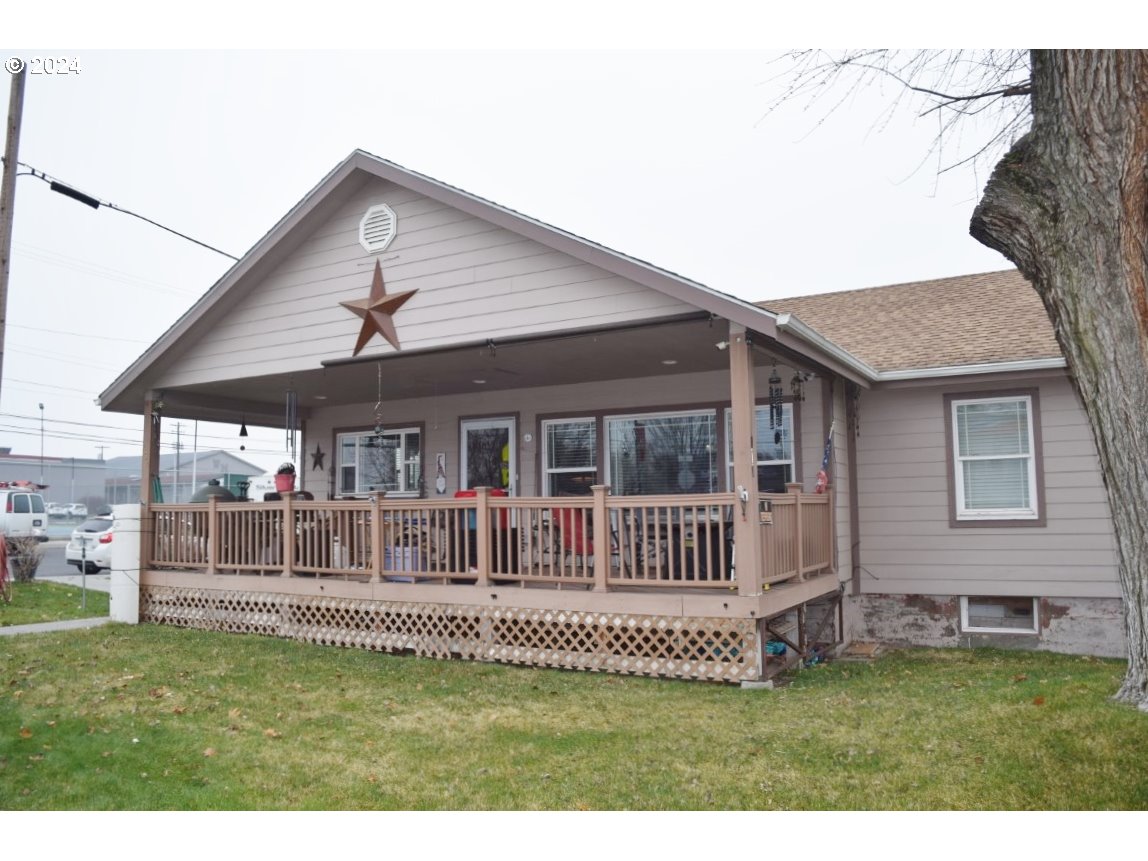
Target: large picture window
x,y
775,463
994,458
570,456
369,462
668,453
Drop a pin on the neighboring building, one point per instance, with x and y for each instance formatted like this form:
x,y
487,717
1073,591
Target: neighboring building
x,y
179,475
69,479
492,350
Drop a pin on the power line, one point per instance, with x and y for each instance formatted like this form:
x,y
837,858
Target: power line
x,y
95,203
115,338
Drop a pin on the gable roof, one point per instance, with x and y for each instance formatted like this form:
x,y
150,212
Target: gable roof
x,y
990,319
126,393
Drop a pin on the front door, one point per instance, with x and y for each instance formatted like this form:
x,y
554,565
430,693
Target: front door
x,y
489,454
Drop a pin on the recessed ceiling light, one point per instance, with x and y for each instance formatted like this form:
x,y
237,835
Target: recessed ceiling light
x,y
669,361
479,382
320,397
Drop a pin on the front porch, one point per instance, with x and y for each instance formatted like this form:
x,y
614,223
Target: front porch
x,y
687,586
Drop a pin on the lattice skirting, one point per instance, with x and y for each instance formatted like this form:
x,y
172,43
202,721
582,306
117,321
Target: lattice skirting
x,y
711,649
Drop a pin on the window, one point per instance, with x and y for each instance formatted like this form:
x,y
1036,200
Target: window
x,y
570,456
994,465
667,453
999,615
775,467
368,462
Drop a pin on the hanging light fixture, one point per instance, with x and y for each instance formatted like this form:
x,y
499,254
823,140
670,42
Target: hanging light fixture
x,y
243,427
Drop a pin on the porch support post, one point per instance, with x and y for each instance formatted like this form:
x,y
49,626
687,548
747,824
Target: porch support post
x,y
212,534
798,518
288,536
602,537
482,535
746,530
378,541
149,470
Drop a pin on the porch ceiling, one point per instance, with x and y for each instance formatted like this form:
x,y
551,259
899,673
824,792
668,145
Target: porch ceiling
x,y
550,361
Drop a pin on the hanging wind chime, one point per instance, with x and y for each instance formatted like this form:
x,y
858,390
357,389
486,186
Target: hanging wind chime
x,y
379,406
291,421
776,393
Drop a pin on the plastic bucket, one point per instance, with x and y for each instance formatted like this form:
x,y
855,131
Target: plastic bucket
x,y
284,483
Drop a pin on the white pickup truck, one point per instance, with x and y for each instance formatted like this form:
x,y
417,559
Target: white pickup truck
x,y
22,510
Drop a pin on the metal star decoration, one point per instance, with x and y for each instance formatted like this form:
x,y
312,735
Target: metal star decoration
x,y
377,311
317,457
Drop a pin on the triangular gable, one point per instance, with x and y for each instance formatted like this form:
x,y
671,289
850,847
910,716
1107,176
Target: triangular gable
x,y
469,279
285,284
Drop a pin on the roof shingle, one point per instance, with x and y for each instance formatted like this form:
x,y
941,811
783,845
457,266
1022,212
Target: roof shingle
x,y
967,320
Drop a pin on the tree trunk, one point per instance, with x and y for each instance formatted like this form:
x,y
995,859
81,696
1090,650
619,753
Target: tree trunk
x,y
1069,206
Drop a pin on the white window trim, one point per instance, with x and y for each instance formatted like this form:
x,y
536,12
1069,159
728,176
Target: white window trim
x,y
967,628
547,471
1032,512
358,435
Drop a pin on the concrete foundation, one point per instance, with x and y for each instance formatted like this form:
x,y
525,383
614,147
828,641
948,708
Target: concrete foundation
x,y
1077,626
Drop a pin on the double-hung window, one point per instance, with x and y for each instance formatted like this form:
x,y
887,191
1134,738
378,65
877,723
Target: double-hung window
x,y
570,456
369,462
995,470
775,463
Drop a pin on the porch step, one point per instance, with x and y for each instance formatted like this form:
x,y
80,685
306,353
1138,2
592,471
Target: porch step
x,y
858,651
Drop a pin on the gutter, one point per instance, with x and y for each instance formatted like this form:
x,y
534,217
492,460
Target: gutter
x,y
791,324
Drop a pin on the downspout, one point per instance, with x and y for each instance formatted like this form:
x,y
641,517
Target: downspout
x,y
854,503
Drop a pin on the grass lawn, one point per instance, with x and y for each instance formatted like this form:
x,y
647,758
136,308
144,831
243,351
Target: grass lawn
x,y
40,601
150,717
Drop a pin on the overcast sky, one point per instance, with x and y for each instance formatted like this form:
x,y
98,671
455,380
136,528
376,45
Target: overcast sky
x,y
671,156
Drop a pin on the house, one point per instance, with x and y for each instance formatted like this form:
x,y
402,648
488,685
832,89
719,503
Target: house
x,y
981,511
179,474
518,445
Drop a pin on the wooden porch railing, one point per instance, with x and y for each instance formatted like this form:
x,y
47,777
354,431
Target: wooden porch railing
x,y
602,542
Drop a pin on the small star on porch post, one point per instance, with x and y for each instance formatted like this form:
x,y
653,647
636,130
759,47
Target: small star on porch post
x,y
377,311
317,457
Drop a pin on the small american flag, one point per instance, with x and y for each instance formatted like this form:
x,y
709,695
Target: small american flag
x,y
823,473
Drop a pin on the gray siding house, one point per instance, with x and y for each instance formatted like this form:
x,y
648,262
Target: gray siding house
x,y
523,446
1027,557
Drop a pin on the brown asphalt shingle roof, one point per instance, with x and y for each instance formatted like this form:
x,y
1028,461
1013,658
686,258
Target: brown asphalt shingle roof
x,y
968,320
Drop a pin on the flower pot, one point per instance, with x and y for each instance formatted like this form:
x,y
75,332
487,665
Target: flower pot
x,y
284,483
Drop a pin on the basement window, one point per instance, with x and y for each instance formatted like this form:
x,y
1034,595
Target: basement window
x,y
998,615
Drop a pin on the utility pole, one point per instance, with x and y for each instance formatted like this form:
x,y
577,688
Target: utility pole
x,y
8,197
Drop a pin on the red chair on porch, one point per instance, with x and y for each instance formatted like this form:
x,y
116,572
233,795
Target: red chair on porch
x,y
573,536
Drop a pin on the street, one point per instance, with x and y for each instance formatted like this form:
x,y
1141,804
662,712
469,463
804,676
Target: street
x,y
53,569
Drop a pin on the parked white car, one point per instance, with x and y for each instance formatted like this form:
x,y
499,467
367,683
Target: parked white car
x,y
77,509
91,542
57,509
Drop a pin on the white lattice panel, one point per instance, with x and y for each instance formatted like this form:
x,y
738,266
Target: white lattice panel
x,y
689,648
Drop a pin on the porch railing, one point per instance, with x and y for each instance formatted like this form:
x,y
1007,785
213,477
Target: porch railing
x,y
604,542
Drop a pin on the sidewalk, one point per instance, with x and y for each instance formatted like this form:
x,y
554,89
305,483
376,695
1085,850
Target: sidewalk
x,y
101,582
41,627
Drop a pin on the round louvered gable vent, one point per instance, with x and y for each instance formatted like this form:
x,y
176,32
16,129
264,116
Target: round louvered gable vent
x,y
377,228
